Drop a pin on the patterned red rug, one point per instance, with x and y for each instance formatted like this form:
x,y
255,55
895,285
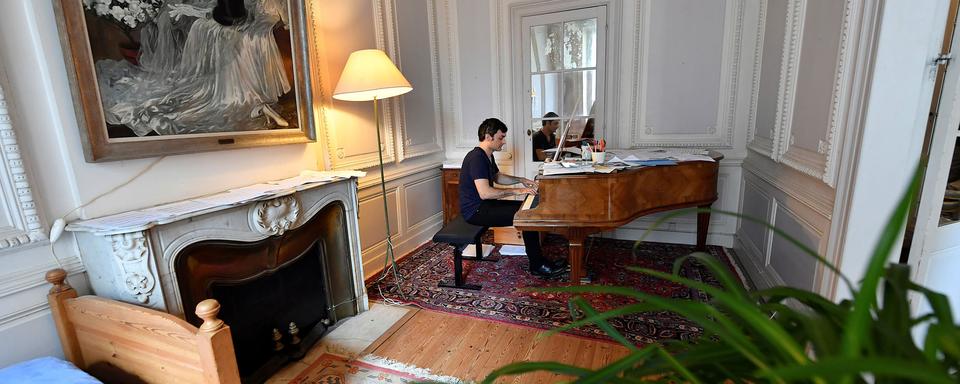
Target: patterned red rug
x,y
504,298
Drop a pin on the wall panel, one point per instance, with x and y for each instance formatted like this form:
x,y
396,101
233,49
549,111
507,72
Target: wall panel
x,y
798,268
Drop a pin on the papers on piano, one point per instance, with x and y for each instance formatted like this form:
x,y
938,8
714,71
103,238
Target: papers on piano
x,y
573,150
675,154
563,168
625,158
165,213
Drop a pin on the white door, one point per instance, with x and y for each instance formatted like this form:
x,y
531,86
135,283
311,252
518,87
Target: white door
x,y
562,72
935,250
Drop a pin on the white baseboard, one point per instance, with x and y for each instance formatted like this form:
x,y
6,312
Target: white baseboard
x,y
414,237
675,237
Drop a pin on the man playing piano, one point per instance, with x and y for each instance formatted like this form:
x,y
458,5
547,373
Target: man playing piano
x,y
479,202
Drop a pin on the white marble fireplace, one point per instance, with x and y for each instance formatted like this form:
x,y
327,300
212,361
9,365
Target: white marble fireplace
x,y
134,261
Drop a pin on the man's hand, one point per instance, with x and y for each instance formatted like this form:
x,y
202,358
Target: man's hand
x,y
526,191
529,183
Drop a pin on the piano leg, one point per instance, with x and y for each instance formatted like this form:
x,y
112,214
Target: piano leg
x,y
576,256
703,225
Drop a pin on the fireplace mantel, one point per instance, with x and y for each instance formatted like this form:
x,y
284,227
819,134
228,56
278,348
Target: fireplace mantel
x,y
135,262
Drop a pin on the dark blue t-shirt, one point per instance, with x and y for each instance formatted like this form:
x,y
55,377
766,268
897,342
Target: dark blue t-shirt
x,y
476,165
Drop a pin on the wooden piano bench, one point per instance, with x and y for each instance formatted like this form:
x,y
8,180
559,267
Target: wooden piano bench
x,y
461,234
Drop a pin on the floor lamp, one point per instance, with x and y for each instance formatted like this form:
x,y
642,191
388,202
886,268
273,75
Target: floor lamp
x,y
370,75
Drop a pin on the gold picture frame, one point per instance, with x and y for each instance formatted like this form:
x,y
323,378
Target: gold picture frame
x,y
194,82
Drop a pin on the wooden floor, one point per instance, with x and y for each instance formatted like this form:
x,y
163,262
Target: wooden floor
x,y
469,348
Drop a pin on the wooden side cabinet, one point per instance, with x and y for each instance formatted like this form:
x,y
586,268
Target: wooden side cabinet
x,y
451,194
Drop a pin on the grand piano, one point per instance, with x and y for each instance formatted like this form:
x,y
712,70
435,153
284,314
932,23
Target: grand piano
x,y
579,205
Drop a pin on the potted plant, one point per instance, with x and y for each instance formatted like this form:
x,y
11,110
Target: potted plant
x,y
783,334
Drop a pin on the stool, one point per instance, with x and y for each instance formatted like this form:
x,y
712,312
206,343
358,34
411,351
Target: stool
x,y
461,234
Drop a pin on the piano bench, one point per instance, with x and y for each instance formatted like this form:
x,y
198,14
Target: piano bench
x,y
461,234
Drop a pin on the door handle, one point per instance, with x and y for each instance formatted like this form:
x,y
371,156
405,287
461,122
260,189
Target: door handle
x,y
529,132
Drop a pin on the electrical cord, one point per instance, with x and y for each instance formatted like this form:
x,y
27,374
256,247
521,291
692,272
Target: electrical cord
x,y
59,224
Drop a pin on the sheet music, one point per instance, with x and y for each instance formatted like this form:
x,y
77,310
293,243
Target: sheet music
x,y
180,207
124,220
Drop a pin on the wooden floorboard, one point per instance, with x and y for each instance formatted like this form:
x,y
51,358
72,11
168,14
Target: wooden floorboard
x,y
470,348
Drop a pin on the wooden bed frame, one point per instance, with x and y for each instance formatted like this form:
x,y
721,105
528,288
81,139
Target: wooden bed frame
x,y
123,343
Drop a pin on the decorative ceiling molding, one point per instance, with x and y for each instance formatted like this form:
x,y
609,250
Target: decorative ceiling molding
x,y
23,227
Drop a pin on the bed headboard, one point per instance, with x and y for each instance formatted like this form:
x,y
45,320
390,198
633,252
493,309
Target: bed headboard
x,y
124,343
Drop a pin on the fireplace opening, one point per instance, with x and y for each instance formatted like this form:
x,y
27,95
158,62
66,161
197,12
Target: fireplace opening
x,y
279,294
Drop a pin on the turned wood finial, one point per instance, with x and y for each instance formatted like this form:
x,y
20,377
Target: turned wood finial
x,y
208,310
58,278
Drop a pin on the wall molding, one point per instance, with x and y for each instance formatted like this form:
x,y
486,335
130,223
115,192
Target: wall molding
x,y
822,165
761,275
818,197
406,149
23,314
32,277
721,133
391,110
25,227
792,41
755,83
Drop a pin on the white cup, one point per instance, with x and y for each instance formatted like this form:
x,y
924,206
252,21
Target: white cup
x,y
598,157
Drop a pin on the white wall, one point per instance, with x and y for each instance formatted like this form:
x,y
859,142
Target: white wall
x,y
38,94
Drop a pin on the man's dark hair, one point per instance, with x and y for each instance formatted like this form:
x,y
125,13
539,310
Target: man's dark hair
x,y
547,116
229,12
490,127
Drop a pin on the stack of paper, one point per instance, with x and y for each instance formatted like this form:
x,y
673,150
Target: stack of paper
x,y
562,168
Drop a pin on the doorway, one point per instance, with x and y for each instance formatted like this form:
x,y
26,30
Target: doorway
x,y
933,233
562,79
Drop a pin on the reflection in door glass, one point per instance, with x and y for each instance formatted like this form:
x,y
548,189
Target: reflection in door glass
x,y
563,74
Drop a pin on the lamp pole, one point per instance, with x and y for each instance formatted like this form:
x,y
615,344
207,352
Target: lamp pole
x,y
388,258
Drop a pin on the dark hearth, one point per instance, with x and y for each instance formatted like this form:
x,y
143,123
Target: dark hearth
x,y
283,283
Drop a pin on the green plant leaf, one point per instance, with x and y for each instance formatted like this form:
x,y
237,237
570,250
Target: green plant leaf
x,y
534,366
746,310
720,271
591,313
777,231
878,366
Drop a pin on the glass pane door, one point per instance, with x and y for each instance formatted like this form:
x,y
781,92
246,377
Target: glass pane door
x,y
563,78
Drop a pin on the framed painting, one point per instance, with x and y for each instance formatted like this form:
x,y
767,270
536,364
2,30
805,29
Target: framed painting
x,y
160,77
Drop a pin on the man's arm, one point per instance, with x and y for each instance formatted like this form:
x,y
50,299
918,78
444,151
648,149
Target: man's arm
x,y
487,192
510,180
541,155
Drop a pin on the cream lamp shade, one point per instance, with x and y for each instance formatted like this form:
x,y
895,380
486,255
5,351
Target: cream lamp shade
x,y
369,74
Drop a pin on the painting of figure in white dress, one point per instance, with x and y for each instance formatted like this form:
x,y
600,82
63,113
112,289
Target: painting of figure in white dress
x,y
195,68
